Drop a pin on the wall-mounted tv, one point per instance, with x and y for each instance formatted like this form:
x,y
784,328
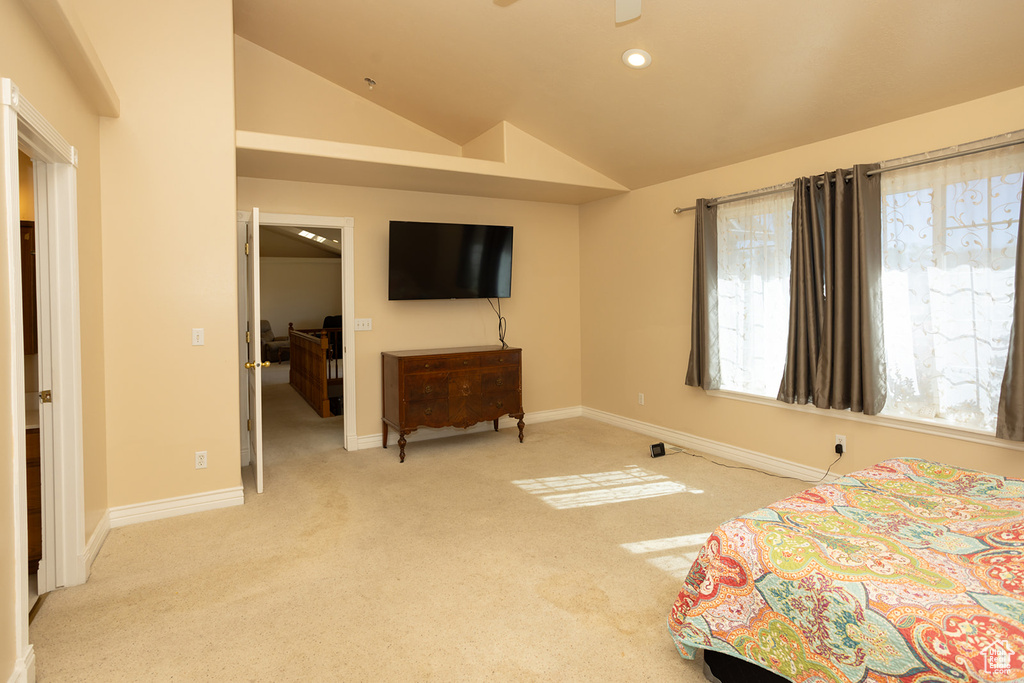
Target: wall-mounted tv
x,y
449,261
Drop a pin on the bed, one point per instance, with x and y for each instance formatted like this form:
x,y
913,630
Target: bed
x,y
906,571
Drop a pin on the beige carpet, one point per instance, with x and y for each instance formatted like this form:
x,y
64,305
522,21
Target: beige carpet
x,y
469,562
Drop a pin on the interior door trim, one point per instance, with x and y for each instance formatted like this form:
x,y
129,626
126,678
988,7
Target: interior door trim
x,y
347,227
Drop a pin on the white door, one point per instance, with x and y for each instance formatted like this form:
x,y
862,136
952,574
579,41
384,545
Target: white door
x,y
254,362
47,577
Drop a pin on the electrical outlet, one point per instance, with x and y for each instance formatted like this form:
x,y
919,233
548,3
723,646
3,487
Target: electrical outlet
x,y
640,399
841,441
198,336
200,460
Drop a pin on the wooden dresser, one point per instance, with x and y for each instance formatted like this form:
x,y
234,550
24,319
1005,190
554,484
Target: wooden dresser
x,y
450,388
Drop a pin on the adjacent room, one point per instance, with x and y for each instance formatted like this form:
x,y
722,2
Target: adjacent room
x,y
620,340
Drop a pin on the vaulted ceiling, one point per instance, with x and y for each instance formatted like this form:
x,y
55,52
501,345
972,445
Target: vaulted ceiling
x,y
730,79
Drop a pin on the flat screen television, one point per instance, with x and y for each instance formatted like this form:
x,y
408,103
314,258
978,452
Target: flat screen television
x,y
449,261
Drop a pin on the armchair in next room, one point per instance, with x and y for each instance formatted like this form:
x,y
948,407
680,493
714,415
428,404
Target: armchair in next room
x,y
275,349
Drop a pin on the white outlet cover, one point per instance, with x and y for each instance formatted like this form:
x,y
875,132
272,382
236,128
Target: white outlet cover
x,y
198,336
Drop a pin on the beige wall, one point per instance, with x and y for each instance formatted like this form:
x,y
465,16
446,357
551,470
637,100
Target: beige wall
x,y
636,325
27,58
543,312
299,290
277,96
168,246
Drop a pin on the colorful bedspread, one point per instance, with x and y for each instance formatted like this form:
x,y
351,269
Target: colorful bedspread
x,y
906,571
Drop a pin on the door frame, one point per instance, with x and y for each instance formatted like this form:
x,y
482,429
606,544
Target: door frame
x,y
55,173
346,225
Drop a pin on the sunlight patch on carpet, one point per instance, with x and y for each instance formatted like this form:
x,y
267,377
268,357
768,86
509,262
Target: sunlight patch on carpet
x,y
602,488
677,563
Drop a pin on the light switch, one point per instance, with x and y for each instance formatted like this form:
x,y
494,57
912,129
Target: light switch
x,y
364,324
197,336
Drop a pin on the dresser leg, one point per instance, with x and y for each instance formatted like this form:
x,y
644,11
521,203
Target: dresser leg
x,y
401,446
384,434
496,424
521,424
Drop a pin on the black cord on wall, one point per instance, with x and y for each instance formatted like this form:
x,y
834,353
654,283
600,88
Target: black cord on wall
x,y
677,449
501,323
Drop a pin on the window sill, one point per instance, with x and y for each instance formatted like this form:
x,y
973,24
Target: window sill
x,y
907,424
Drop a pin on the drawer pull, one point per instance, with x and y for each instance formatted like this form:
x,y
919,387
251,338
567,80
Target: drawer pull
x,y
428,411
428,389
465,362
499,381
426,366
499,404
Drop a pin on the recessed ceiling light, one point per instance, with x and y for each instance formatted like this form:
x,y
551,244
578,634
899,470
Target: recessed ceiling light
x,y
311,236
636,58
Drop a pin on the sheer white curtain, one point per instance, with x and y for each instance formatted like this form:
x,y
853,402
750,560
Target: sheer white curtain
x,y
754,241
950,234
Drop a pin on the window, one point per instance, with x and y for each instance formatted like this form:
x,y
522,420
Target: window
x,y
754,240
950,235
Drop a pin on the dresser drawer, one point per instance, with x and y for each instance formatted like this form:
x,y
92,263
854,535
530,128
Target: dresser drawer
x,y
425,364
499,380
464,384
427,413
426,386
500,358
497,405
464,362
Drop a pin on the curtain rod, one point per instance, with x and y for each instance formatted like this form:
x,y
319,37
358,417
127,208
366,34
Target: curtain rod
x,y
920,162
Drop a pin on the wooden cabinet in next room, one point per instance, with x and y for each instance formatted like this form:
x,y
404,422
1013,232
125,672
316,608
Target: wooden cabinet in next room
x,y
35,499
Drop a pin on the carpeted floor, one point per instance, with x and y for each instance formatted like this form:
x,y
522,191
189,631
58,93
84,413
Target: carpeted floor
x,y
478,559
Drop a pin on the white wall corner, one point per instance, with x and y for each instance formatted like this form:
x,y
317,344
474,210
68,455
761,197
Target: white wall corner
x,y
61,24
93,547
24,668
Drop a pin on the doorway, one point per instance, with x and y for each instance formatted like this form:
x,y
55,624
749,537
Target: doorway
x,y
249,311
65,560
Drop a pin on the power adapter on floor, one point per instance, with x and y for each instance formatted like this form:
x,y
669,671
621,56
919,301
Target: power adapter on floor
x,y
657,450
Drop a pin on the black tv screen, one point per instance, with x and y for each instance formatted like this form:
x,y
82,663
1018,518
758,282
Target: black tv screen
x,y
449,261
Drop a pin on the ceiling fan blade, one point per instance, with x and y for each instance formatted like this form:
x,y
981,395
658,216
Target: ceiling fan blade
x,y
626,10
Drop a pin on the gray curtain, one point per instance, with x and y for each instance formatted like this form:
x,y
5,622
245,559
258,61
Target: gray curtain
x,y
1010,418
835,356
703,369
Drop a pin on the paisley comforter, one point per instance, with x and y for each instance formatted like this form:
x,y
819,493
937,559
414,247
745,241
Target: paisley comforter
x,y
906,571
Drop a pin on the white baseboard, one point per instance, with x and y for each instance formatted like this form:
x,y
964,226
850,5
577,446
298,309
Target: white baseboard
x,y
92,548
25,668
744,456
425,433
173,507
